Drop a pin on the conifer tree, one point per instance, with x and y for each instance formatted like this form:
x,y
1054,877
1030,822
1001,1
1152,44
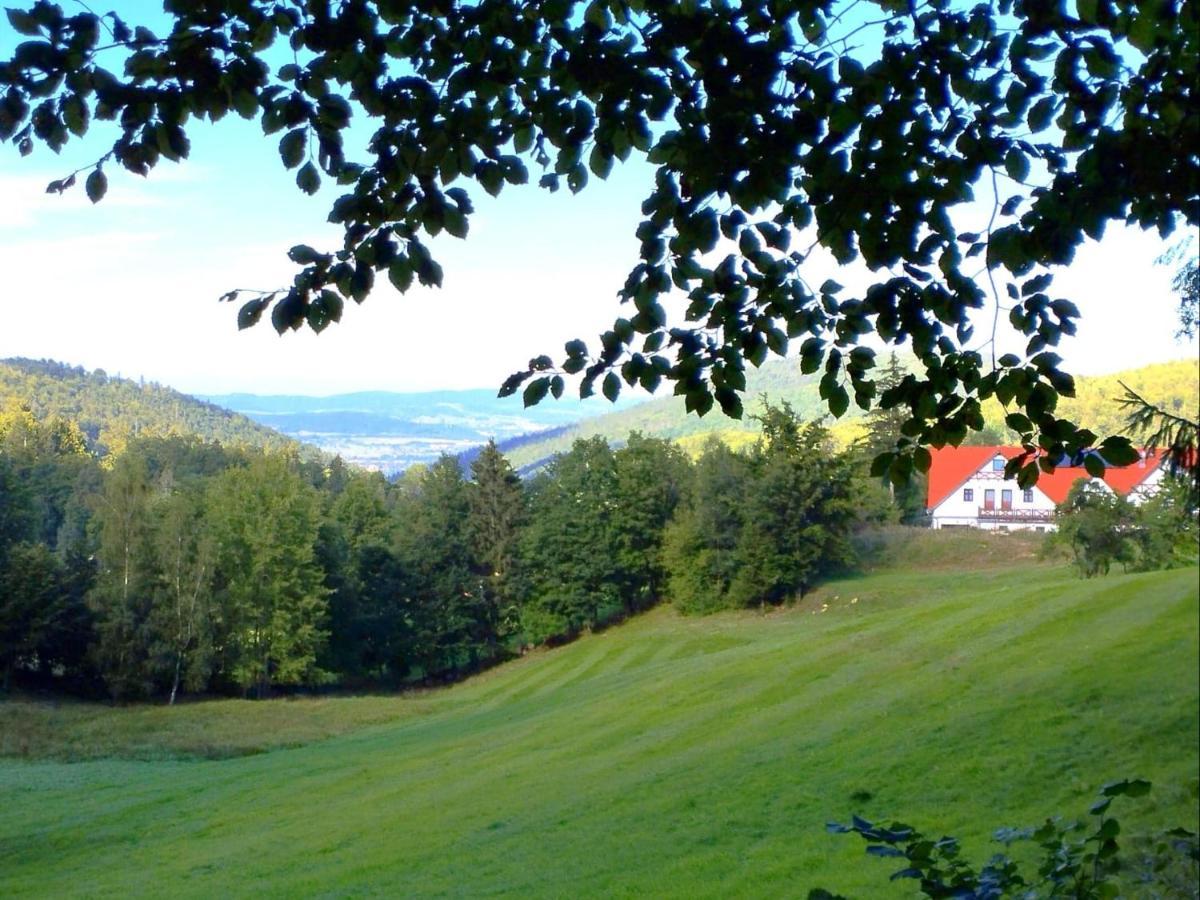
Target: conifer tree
x,y
652,475
30,588
497,514
569,553
362,572
885,434
497,506
798,515
453,619
699,547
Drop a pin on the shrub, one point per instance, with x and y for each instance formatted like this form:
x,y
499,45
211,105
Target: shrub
x,y
1081,860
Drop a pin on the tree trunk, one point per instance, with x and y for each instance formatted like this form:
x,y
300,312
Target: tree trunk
x,y
175,683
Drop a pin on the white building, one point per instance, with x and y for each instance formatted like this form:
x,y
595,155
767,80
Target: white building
x,y
967,489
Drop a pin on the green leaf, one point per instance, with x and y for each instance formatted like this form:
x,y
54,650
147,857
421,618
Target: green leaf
x,y
1109,830
96,185
455,221
361,282
839,401
880,464
292,146
1016,164
611,388
1145,29
514,170
597,14
1119,451
599,162
325,309
577,179
1018,423
1129,787
400,273
1041,113
245,104
308,179
511,383
250,313
287,312
535,391
1028,475
523,138
23,23
75,115
430,273
303,255
812,351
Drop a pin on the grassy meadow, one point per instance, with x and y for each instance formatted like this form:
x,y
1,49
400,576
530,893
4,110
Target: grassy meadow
x,y
667,757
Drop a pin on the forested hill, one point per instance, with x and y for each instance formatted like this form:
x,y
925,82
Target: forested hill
x,y
111,410
780,380
1174,385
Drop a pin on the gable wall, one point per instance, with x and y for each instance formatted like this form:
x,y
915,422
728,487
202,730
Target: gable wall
x,y
955,511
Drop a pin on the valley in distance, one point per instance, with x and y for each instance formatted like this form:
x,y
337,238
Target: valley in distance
x,y
388,431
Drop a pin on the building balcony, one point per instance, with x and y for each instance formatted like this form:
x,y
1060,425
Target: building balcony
x,y
1040,516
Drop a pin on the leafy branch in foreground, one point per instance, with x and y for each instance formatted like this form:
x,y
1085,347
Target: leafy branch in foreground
x,y
1177,436
776,131
1080,860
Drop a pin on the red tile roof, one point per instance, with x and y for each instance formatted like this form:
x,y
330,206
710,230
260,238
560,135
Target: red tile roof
x,y
952,466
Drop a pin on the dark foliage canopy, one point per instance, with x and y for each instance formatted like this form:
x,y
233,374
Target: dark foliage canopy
x,y
869,128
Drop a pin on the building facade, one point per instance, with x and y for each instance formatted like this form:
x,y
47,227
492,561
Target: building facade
x,y
967,489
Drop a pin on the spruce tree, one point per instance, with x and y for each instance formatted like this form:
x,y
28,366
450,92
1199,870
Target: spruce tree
x,y
569,553
885,433
453,620
497,507
700,544
652,475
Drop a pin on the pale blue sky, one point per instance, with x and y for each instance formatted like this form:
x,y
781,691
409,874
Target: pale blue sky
x,y
130,285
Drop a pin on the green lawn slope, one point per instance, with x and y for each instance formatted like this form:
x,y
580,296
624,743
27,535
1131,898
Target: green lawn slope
x,y
668,757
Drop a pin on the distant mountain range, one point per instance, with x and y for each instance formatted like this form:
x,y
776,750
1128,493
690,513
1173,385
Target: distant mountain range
x,y
392,431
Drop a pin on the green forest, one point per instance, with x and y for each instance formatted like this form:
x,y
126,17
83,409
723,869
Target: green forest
x,y
171,564
110,411
181,565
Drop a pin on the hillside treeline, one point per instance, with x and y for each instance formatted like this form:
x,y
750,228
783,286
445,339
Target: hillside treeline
x,y
1175,386
185,566
111,411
